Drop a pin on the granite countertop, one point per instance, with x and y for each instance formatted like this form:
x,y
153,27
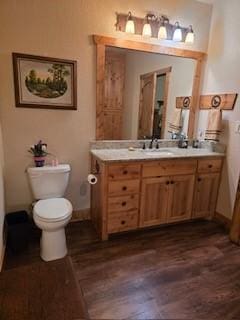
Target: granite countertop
x,y
137,154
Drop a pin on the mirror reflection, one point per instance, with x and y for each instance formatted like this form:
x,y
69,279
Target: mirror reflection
x,y
140,94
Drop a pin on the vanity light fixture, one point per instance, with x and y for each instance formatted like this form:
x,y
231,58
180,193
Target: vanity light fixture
x,y
154,26
162,33
190,35
177,35
147,29
130,26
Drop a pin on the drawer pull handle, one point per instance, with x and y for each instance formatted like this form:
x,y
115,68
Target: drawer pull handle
x,y
124,203
210,166
123,222
124,188
199,179
125,172
167,182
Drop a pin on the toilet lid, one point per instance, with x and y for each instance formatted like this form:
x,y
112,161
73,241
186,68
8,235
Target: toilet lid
x,y
52,209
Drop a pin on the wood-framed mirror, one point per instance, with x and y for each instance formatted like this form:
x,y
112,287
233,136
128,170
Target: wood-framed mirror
x,y
137,88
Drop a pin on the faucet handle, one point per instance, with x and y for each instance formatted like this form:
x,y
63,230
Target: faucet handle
x,y
144,143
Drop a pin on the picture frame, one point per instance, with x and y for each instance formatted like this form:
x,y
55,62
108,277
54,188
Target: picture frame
x,y
44,82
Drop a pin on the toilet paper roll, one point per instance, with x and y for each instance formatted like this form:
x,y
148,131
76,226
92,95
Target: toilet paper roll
x,y
92,179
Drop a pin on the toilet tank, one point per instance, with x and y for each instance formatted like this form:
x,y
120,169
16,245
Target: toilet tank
x,y
49,181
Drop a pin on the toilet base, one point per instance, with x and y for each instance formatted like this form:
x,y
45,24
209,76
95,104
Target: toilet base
x,y
53,245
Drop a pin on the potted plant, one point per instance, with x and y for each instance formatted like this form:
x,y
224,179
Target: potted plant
x,y
39,152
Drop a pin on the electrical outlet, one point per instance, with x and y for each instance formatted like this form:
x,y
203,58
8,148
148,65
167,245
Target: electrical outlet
x,y
237,127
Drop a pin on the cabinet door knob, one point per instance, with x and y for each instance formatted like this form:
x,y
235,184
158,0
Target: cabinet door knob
x,y
167,182
210,166
124,203
123,222
172,182
199,179
125,172
124,188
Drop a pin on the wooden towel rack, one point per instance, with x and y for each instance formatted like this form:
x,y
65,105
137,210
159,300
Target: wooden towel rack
x,y
225,101
184,102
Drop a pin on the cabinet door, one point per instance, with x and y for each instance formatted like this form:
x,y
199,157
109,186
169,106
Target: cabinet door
x,y
114,80
113,95
180,197
205,196
154,201
112,124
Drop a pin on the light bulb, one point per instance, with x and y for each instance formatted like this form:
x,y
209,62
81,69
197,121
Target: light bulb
x,y
162,33
130,26
177,35
147,30
190,35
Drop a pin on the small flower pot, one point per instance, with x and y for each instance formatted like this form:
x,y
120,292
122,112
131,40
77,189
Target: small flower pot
x,y
39,161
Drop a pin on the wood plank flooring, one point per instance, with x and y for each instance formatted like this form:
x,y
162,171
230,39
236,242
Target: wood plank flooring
x,y
41,291
185,271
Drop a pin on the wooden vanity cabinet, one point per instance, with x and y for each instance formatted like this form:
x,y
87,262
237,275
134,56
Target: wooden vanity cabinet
x,y
134,195
154,201
166,199
167,191
181,190
206,187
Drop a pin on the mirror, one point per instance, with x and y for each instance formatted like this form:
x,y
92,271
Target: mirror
x,y
140,91
110,88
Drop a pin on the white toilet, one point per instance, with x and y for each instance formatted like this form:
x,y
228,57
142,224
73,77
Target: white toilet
x,y
51,213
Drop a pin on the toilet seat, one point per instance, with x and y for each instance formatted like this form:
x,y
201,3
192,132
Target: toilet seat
x,y
52,210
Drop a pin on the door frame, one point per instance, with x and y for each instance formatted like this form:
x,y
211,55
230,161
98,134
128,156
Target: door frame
x,y
161,72
103,41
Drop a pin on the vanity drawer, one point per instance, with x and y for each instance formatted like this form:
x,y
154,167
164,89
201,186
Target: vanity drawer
x,y
122,187
122,221
123,203
119,172
209,165
166,167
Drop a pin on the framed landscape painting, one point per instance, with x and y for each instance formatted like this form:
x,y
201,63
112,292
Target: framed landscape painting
x,y
43,82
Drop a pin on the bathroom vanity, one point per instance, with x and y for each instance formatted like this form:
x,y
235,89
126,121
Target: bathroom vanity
x,y
145,188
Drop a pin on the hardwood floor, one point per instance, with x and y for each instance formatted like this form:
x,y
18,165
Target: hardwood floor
x,y
186,271
41,291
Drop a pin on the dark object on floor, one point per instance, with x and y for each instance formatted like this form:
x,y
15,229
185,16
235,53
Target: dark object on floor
x,y
41,291
18,226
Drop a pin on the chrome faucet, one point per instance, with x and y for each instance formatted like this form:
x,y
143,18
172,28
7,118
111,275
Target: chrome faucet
x,y
183,142
152,141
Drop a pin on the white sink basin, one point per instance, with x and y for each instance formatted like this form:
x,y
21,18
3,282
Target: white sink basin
x,y
158,152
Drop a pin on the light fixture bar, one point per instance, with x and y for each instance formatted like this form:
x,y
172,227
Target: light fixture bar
x,y
155,26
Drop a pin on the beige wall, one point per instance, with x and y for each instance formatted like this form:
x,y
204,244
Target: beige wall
x,y
180,84
222,75
63,28
2,209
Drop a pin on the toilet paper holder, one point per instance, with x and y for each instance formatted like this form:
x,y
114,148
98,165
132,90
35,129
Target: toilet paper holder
x,y
92,177
96,169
